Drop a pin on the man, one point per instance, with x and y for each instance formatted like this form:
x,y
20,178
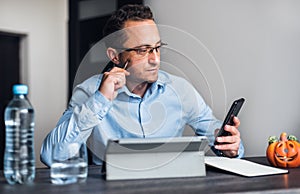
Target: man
x,y
135,99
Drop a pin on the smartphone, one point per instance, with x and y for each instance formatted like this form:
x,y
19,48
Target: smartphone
x,y
233,112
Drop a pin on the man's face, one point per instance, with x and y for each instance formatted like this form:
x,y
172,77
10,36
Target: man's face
x,y
143,36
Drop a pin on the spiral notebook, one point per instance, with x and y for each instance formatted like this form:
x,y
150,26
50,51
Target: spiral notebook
x,y
242,167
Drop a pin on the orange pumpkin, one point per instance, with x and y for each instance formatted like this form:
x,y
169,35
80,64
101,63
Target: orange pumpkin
x,y
285,152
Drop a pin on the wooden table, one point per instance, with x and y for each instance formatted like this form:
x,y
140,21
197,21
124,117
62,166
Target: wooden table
x,y
216,181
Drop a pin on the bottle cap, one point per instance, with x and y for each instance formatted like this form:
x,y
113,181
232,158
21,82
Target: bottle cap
x,y
20,89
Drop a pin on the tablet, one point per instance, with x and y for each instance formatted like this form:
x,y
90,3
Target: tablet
x,y
137,158
150,145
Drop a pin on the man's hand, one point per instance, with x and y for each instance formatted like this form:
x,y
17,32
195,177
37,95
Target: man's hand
x,y
112,81
232,143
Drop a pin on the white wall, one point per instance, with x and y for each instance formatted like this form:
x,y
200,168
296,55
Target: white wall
x,y
45,24
256,45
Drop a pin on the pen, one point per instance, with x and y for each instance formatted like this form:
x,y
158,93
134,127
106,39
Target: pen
x,y
126,63
111,65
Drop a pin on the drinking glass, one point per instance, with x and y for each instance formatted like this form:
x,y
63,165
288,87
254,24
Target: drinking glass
x,y
69,163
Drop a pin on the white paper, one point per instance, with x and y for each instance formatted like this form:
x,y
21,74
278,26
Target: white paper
x,y
242,167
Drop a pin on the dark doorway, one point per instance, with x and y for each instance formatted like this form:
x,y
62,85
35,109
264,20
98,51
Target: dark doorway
x,y
85,32
9,75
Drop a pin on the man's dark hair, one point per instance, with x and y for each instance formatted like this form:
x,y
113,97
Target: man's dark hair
x,y
125,13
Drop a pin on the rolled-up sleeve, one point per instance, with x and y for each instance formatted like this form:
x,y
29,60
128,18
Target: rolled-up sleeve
x,y
84,112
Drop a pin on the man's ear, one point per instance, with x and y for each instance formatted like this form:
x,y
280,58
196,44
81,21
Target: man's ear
x,y
113,55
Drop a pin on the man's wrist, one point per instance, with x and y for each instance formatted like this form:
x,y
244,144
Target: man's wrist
x,y
223,153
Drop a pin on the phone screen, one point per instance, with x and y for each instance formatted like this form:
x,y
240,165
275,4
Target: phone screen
x,y
233,112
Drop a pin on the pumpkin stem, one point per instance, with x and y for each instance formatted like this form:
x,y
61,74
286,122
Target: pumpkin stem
x,y
283,136
272,139
292,138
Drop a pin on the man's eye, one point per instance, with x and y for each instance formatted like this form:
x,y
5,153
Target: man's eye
x,y
158,48
141,51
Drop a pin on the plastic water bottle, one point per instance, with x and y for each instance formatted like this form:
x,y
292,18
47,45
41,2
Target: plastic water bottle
x,y
19,156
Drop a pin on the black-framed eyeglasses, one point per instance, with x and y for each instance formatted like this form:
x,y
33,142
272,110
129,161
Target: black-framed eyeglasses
x,y
144,51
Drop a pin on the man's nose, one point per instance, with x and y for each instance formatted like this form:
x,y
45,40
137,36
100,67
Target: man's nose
x,y
154,57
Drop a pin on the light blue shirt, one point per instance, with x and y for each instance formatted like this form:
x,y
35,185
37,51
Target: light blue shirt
x,y
167,107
